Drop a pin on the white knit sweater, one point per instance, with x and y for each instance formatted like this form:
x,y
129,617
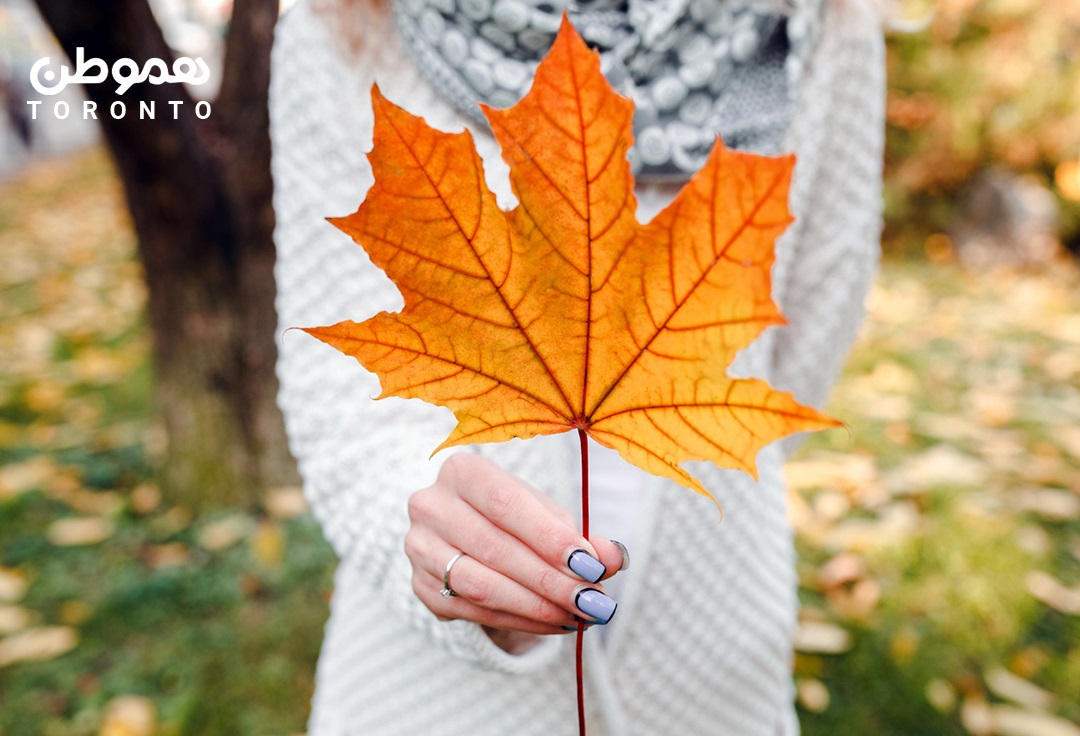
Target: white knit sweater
x,y
705,621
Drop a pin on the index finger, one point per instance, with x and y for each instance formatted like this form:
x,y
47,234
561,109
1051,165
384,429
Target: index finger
x,y
515,507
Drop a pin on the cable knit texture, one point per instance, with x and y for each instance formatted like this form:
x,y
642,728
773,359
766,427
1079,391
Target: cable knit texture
x,y
703,644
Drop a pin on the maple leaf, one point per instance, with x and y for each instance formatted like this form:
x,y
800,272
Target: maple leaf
x,y
566,313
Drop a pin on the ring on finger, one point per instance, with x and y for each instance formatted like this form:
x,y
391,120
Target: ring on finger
x,y
447,592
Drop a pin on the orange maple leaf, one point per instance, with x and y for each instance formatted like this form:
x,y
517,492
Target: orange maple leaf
x,y
565,312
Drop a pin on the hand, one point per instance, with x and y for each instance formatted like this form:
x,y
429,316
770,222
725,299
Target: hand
x,y
515,574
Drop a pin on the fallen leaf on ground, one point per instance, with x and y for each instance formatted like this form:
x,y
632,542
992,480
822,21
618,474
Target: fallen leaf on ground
x,y
975,717
18,478
856,602
941,694
887,407
85,501
1009,721
1069,438
891,377
14,618
285,503
172,521
990,406
1034,540
129,715
946,427
145,498
812,694
12,585
1054,593
79,531
1048,503
74,612
37,645
848,473
1062,366
1012,687
829,506
1065,328
170,554
896,523
941,465
268,544
44,396
821,637
840,570
224,533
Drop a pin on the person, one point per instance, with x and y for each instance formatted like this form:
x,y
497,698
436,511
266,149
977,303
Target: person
x,y
700,627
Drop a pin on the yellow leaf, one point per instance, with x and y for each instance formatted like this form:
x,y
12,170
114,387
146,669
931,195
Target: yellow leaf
x,y
285,502
37,645
566,313
79,531
268,544
13,618
13,584
129,715
224,533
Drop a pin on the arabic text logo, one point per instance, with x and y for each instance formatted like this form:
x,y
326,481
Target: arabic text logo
x,y
125,72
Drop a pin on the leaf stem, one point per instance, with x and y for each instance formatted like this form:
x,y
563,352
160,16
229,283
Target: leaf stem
x,y
584,439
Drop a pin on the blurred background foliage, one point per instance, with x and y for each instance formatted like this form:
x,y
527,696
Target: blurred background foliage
x,y
986,86
939,539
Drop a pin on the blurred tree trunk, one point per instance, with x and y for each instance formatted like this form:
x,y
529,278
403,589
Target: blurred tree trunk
x,y
199,192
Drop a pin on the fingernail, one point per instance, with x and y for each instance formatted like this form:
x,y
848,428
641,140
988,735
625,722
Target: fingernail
x,y
625,555
596,605
586,566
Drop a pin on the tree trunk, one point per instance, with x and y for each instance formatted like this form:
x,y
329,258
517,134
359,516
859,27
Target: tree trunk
x,y
200,196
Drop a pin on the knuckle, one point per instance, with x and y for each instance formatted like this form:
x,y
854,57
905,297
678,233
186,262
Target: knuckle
x,y
489,547
502,502
551,582
418,505
418,589
552,539
451,467
458,466
547,612
476,589
411,545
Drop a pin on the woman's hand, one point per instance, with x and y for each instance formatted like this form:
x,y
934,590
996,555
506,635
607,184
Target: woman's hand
x,y
518,544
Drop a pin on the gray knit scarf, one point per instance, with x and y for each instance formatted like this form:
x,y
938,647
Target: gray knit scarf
x,y
694,68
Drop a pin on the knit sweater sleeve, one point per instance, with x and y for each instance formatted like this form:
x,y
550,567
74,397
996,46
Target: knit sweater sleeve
x,y
826,262
360,459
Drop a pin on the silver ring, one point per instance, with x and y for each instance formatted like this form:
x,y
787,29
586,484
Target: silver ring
x,y
448,592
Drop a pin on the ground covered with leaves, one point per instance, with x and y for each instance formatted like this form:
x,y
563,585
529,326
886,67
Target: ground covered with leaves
x,y
940,541
120,614
939,537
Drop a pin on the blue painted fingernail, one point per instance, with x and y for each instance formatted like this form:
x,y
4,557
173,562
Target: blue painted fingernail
x,y
596,605
586,566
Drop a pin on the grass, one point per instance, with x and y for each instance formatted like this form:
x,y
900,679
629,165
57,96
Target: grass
x,y
939,537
